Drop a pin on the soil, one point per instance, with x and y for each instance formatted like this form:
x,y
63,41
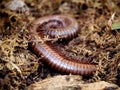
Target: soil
x,y
97,40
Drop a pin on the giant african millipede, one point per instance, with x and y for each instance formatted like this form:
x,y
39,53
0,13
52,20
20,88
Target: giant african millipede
x,y
62,26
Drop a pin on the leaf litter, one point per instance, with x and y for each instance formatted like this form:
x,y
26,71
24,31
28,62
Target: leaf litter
x,y
98,39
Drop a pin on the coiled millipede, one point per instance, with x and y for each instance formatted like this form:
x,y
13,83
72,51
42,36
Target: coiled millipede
x,y
62,26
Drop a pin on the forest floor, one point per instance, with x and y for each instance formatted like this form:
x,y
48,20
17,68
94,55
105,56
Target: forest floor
x,y
99,30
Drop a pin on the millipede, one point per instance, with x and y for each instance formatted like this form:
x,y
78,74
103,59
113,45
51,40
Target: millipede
x,y
57,26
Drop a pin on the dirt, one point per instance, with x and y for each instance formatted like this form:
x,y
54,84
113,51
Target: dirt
x,y
97,40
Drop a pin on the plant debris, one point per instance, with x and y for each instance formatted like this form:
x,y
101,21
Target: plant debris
x,y
98,39
74,83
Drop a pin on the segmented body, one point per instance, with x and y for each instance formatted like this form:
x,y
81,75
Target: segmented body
x,y
62,26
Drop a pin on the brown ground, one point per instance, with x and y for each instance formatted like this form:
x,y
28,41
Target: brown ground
x,y
19,67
